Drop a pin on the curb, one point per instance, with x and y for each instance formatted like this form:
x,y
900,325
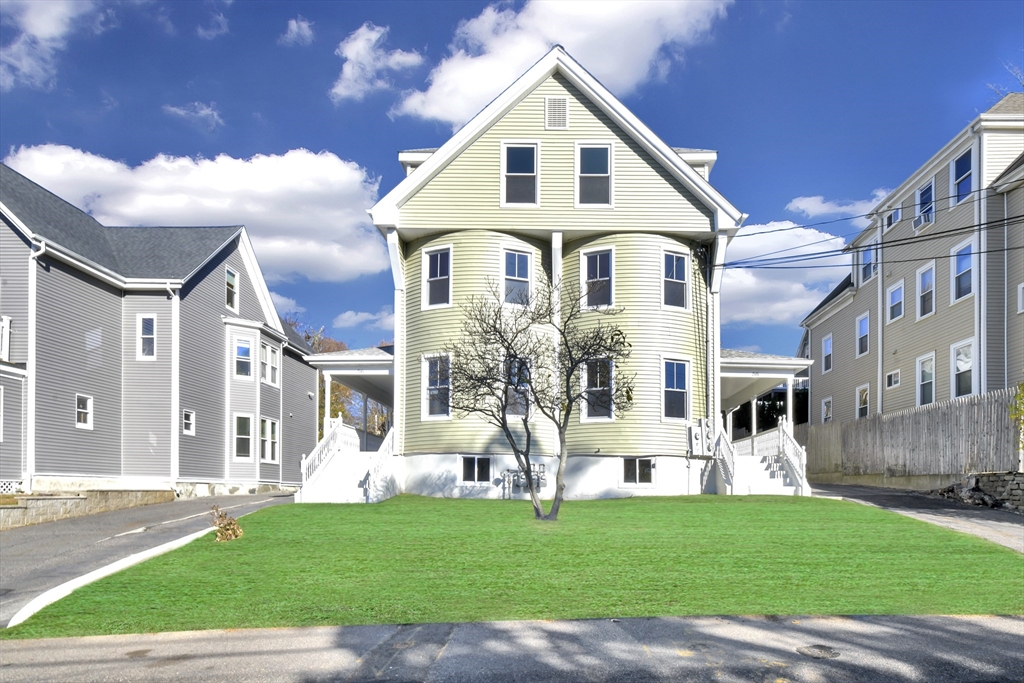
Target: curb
x,y
62,591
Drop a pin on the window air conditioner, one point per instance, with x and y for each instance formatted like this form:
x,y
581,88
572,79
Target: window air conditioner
x,y
923,219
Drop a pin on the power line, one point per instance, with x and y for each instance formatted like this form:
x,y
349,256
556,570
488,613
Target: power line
x,y
908,260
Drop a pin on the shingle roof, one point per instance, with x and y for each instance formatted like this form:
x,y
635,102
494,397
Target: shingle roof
x,y
1017,163
736,353
1012,103
295,339
833,295
130,252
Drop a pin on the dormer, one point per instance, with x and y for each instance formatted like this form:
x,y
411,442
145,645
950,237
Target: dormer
x,y
700,160
412,158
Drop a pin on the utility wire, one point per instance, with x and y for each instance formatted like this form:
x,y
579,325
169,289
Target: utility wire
x,y
887,262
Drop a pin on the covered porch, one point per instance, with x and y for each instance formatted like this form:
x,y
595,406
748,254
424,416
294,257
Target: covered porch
x,y
746,376
369,373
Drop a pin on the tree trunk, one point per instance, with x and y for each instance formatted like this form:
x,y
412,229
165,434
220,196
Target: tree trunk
x,y
563,456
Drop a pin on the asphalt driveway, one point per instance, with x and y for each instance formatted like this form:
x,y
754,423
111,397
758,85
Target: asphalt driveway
x,y
999,526
34,559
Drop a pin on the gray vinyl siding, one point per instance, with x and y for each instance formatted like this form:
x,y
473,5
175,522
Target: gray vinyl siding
x,y
995,292
299,422
12,447
78,351
147,420
270,408
248,305
243,399
1014,320
202,373
14,255
466,193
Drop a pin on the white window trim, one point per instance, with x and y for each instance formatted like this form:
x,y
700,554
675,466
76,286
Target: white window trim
x,y
610,145
689,273
888,302
688,362
273,441
238,287
832,353
828,399
475,483
425,274
1020,298
874,249
856,335
895,374
272,353
516,249
917,198
583,278
530,408
897,214
974,367
425,415
585,407
254,360
969,242
856,403
637,485
138,336
917,291
917,379
90,412
186,430
253,437
953,203
2,414
536,167
556,97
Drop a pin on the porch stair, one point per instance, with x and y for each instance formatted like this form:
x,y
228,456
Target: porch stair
x,y
337,471
769,463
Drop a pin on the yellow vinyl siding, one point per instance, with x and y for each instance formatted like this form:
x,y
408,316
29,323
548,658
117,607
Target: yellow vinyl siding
x,y
466,193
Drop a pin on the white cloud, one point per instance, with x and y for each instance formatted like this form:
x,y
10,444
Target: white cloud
x,y
299,32
814,207
784,296
305,212
285,305
41,30
203,115
384,319
367,62
218,26
624,44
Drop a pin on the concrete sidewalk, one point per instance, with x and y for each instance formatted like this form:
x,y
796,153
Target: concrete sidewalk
x,y
34,559
874,649
999,526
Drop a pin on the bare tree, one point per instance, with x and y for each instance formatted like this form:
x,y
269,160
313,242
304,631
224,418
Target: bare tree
x,y
521,355
342,400
1016,73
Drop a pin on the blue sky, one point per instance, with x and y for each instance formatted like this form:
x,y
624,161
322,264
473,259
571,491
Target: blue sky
x,y
287,117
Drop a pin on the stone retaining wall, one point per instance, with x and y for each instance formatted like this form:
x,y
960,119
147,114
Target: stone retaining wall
x,y
38,509
1005,486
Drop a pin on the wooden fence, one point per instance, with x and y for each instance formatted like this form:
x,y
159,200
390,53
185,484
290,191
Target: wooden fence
x,y
961,436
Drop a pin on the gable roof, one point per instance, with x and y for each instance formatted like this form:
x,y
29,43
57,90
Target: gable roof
x,y
386,212
847,283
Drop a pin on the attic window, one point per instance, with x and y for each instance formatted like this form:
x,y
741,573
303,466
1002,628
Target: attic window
x,y
556,113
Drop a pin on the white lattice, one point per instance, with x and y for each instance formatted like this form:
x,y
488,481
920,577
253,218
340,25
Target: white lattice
x,y
9,486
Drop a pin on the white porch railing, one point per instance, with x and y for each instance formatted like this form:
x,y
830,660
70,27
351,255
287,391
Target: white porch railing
x,y
725,455
341,437
774,449
794,456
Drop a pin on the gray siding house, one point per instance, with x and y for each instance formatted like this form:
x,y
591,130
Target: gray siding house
x,y
933,308
141,358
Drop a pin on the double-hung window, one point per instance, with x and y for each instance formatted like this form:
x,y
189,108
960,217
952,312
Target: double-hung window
x,y
894,302
868,262
269,441
517,278
675,280
599,278
593,182
926,380
269,363
83,411
962,359
826,410
892,218
960,178
145,335
438,281
637,470
437,384
926,290
863,393
517,397
519,174
925,209
826,354
476,469
231,289
243,358
962,271
599,389
676,389
243,436
863,330
188,422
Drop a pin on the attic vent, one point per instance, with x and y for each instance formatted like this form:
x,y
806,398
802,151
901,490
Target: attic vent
x,y
556,113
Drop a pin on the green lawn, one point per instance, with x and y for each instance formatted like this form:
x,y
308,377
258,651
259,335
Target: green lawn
x,y
414,559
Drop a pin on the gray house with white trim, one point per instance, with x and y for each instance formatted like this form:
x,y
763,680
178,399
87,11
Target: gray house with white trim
x,y
141,358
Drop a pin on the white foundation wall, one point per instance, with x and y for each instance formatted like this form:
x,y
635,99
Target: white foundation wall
x,y
440,475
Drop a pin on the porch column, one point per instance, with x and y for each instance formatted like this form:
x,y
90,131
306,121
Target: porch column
x,y
327,401
728,424
364,423
753,416
789,405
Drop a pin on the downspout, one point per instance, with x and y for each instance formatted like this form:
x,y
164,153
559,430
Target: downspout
x,y
1006,308
175,441
30,367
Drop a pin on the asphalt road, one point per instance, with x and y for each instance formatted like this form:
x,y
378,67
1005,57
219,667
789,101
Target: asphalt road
x,y
999,526
811,649
36,558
